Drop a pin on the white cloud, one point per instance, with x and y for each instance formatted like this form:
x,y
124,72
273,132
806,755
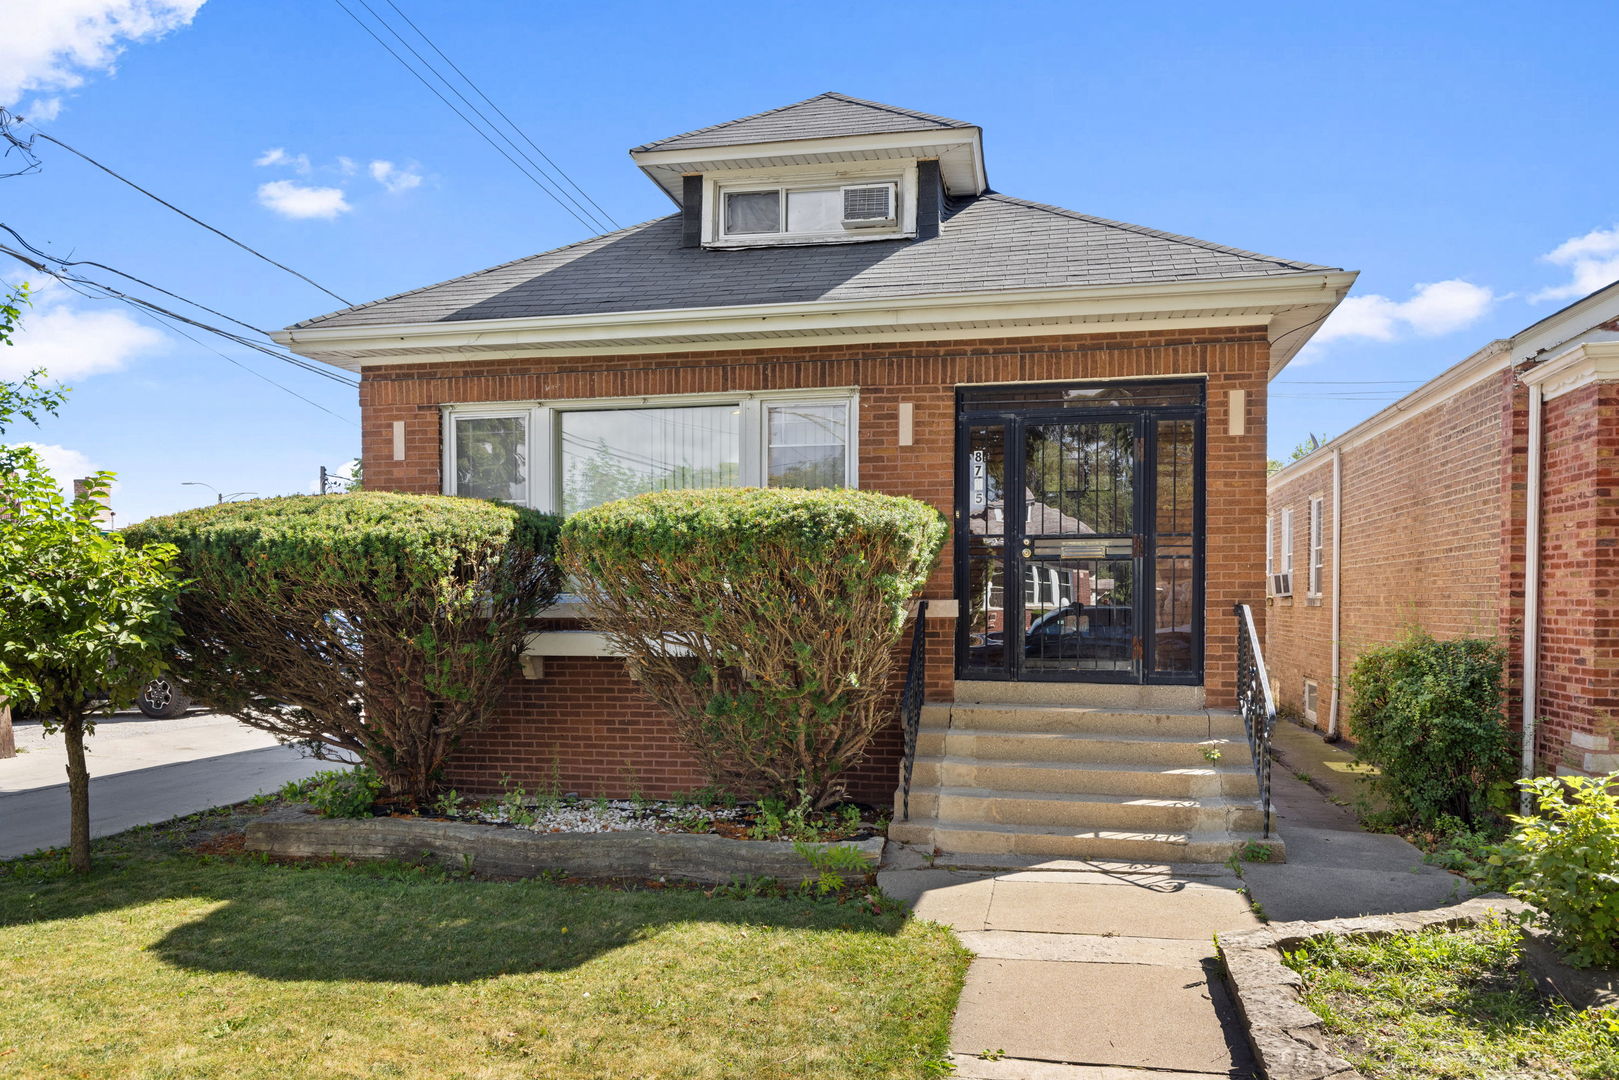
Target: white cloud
x,y
1593,259
71,343
279,156
293,200
347,165
43,109
50,46
395,179
1433,309
64,464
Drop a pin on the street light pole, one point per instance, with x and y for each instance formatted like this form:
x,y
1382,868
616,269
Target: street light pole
x,y
219,496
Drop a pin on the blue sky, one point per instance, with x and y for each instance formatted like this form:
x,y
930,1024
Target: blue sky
x,y
1444,150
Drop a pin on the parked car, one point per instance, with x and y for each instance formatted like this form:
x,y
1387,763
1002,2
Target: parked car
x,y
162,700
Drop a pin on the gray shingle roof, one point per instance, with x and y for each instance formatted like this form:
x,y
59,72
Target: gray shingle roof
x,y
821,117
987,243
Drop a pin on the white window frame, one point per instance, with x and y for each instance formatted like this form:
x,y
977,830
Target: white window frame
x,y
1270,547
1317,555
1310,700
718,185
545,432
1287,542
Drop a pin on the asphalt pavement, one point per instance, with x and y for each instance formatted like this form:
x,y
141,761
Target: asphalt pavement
x,y
141,771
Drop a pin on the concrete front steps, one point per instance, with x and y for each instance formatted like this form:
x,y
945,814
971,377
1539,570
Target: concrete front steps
x,y
1082,771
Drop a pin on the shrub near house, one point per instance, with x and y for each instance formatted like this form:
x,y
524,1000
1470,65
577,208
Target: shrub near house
x,y
764,621
384,625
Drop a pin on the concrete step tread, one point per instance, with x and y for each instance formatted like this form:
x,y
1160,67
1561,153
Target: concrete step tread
x,y
1076,710
1173,837
1223,768
1091,736
1211,802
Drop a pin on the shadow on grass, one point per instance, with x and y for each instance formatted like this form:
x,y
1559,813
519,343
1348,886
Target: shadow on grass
x,y
389,922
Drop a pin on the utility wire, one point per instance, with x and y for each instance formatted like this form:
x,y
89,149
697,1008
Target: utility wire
x,y
451,87
109,292
535,180
468,79
28,148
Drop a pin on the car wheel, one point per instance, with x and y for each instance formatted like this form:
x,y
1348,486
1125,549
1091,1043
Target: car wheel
x,y
161,700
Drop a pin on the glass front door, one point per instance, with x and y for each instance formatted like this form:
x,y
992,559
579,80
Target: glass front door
x,y
1079,554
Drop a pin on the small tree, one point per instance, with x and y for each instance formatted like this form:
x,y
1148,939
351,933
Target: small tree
x,y
385,625
764,621
83,615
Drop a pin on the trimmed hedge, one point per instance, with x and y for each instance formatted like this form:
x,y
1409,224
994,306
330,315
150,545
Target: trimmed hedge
x,y
382,624
763,620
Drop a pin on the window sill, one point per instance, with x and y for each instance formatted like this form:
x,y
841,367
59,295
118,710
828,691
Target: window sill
x,y
1313,601
818,240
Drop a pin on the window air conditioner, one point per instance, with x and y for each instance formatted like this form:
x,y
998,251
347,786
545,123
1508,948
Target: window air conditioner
x,y
869,206
1281,584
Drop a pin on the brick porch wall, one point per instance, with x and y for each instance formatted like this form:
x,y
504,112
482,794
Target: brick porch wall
x,y
1423,507
586,721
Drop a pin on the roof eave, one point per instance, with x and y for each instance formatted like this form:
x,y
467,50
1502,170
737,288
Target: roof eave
x,y
1289,305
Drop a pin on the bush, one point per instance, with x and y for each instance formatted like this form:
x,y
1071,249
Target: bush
x,y
1428,714
381,624
339,793
764,621
1566,863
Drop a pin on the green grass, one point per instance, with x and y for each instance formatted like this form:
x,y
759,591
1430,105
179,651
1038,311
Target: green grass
x,y
168,964
1449,1005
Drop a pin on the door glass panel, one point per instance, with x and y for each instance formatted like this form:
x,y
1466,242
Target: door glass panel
x,y
1078,612
1079,479
1175,642
984,628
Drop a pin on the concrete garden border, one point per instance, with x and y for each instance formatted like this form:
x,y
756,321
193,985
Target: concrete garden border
x,y
1287,1037
703,859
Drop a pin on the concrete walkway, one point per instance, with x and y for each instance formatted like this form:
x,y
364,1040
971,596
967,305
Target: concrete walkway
x,y
141,772
1085,971
1106,971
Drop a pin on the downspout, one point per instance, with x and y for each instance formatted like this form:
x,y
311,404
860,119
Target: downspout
x,y
1531,589
1337,587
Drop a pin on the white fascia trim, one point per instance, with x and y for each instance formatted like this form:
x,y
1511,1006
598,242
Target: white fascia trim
x,y
707,156
1584,364
686,328
1493,359
1560,326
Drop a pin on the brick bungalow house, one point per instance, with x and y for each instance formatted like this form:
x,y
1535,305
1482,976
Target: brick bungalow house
x,y
1483,503
840,298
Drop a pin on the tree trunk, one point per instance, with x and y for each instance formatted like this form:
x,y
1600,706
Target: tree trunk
x,y
78,794
8,738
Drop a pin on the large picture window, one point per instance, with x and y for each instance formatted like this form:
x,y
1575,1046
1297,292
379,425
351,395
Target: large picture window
x,y
568,456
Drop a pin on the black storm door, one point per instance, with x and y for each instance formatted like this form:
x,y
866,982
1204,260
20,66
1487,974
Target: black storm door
x,y
1079,533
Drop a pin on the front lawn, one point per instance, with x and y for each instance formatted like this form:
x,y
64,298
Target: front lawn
x,y
1449,1005
165,963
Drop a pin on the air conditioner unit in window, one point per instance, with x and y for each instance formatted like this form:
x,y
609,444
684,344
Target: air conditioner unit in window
x,y
1281,584
869,206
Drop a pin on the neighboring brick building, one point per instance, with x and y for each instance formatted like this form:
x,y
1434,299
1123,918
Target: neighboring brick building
x,y
1419,517
840,299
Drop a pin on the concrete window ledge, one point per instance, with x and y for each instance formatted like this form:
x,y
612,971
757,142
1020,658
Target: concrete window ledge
x,y
493,849
1287,1037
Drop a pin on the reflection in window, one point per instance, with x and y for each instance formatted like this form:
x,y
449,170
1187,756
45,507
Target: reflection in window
x,y
808,445
615,453
491,458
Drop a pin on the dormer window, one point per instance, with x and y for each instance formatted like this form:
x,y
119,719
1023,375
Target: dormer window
x,y
825,209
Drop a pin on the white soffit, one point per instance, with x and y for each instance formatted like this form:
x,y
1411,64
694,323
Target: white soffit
x,y
1584,364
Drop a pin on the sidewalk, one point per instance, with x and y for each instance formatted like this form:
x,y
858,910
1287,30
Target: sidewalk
x,y
1091,971
141,771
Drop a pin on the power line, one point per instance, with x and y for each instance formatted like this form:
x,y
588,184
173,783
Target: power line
x,y
28,149
108,292
503,116
537,181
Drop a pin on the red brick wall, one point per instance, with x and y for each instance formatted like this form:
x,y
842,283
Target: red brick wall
x,y
1423,510
1579,629
583,714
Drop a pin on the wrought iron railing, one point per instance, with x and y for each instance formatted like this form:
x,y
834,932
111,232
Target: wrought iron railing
x,y
910,703
1255,703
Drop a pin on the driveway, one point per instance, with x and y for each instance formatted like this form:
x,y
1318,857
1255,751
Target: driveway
x,y
141,771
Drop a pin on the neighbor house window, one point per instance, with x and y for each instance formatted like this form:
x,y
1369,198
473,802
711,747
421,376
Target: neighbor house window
x,y
827,209
1287,542
1270,546
1316,552
1311,699
570,455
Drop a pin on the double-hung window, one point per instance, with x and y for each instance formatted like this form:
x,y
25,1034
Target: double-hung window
x,y
567,456
1316,553
1287,542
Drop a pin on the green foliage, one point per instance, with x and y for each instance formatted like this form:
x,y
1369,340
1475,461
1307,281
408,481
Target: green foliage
x,y
832,864
1428,714
764,621
337,793
1566,863
385,625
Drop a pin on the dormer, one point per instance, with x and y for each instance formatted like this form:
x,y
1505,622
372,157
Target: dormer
x,y
829,170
